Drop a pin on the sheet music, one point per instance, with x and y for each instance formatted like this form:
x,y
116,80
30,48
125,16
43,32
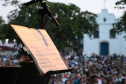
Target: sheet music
x,y
43,50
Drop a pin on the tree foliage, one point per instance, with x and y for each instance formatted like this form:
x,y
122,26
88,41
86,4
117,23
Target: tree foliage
x,y
1,20
121,22
1,26
120,4
73,22
10,2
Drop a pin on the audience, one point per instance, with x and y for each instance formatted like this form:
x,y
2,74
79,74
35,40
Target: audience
x,y
86,70
93,70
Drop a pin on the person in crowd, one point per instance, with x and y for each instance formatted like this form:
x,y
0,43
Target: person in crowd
x,y
93,79
67,82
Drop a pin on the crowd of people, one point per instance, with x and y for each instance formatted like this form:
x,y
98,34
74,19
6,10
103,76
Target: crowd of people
x,y
92,70
86,70
8,60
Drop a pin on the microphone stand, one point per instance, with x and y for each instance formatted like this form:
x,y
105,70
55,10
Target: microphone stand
x,y
42,12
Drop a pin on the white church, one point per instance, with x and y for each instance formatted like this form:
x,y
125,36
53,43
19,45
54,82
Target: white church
x,y
104,42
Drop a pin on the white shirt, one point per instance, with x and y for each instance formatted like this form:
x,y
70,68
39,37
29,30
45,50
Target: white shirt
x,y
99,81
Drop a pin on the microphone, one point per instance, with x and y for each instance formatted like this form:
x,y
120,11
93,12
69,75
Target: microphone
x,y
31,2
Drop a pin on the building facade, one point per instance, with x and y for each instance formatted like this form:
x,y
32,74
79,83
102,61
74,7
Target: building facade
x,y
105,42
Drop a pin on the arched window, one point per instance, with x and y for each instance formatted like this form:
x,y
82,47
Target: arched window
x,y
96,34
112,34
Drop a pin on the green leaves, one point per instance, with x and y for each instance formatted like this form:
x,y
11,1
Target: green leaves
x,y
1,20
120,26
120,4
73,22
1,25
10,2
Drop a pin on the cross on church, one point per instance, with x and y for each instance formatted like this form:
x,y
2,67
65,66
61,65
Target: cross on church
x,y
104,3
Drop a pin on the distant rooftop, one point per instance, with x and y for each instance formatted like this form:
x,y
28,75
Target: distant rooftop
x,y
6,48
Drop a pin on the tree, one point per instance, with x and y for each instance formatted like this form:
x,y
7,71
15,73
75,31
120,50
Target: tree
x,y
120,4
10,2
121,22
8,32
73,22
1,20
1,26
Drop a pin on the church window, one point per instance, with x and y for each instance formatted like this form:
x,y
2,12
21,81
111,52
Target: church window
x,y
112,34
104,19
96,34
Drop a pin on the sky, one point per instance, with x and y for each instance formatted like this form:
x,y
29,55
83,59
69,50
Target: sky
x,y
93,6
